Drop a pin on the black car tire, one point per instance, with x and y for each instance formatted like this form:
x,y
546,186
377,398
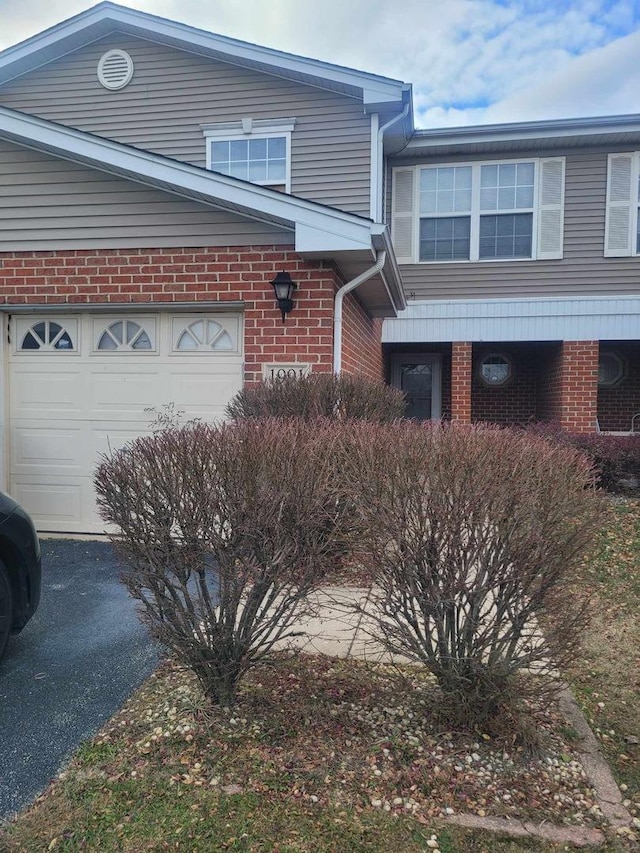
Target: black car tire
x,y
6,607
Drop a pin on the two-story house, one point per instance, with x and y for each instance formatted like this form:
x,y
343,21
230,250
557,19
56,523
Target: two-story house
x,y
182,213
518,245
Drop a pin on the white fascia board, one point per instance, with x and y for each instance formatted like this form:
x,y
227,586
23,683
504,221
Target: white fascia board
x,y
523,131
335,229
391,271
311,238
374,89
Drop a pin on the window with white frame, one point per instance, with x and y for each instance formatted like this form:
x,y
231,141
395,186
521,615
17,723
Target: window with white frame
x,y
622,228
256,151
484,211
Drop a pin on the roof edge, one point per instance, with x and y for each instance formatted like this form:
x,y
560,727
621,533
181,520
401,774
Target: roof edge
x,y
525,130
316,225
374,88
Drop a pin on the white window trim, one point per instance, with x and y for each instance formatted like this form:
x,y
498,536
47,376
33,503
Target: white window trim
x,y
475,210
21,325
100,324
475,213
247,128
231,324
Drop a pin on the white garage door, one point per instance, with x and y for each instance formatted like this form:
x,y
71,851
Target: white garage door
x,y
79,385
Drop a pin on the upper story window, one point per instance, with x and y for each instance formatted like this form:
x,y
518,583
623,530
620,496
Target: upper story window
x,y
483,211
622,230
256,151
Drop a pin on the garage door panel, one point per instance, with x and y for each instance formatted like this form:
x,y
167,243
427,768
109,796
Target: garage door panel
x,y
109,439
40,392
68,408
202,393
123,393
58,447
53,505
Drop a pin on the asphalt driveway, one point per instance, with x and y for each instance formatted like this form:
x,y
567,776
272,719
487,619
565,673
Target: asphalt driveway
x,y
72,667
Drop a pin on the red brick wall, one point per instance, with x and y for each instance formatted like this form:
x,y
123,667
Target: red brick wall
x,y
550,387
571,393
523,396
580,385
461,366
361,340
616,406
191,275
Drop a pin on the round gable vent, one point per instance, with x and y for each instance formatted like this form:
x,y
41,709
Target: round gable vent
x,y
115,69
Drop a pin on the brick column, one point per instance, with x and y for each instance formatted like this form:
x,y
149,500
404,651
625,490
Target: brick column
x,y
579,386
461,361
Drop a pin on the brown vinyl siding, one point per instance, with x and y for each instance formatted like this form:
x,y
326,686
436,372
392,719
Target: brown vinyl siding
x,y
48,203
173,92
583,270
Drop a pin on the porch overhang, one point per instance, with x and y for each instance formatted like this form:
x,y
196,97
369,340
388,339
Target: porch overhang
x,y
597,318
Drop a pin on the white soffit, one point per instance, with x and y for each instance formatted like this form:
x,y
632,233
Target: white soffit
x,y
501,320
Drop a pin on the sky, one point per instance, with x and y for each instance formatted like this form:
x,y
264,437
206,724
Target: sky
x,y
470,61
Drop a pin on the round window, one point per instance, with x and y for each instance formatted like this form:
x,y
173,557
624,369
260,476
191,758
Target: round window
x,y
495,369
610,369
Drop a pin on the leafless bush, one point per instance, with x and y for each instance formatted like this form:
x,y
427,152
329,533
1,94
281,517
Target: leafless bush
x,y
319,395
473,536
225,532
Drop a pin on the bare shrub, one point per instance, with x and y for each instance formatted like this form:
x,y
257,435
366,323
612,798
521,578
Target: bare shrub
x,y
473,535
316,395
225,532
616,458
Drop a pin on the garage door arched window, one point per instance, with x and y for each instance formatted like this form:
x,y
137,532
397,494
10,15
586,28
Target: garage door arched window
x,y
204,335
124,335
47,335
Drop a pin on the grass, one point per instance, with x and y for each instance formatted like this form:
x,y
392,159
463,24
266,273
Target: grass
x,y
295,769
606,679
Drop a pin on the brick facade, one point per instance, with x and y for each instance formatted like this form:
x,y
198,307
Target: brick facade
x,y
118,276
361,340
617,405
515,401
571,395
461,370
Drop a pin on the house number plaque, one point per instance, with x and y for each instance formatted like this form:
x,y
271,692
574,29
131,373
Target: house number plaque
x,y
284,371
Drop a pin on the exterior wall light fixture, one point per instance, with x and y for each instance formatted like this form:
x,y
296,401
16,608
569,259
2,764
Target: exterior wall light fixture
x,y
284,289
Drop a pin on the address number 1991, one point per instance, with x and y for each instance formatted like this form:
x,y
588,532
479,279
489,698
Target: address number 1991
x,y
284,371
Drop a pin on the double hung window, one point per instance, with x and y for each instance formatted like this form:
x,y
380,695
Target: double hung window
x,y
477,212
255,151
481,211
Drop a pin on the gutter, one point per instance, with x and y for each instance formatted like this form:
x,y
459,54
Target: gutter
x,y
376,213
337,313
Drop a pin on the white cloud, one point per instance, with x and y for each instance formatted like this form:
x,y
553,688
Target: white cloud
x,y
470,61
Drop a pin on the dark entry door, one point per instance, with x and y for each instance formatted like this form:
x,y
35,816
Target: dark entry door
x,y
418,375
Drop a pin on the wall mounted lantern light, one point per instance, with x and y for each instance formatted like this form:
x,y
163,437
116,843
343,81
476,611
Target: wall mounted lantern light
x,y
284,289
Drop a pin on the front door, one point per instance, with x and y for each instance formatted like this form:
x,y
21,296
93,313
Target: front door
x,y
419,376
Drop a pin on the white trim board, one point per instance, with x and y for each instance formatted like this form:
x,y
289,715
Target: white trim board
x,y
600,318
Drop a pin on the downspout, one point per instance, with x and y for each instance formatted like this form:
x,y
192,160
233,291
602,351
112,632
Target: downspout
x,y
337,312
376,214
